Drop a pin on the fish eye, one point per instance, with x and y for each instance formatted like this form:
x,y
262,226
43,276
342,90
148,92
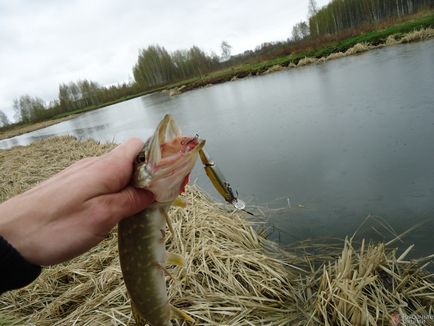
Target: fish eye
x,y
141,158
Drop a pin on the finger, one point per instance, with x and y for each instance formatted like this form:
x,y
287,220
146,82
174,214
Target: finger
x,y
128,150
126,203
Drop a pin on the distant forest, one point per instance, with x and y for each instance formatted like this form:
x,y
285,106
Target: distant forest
x,y
156,67
340,15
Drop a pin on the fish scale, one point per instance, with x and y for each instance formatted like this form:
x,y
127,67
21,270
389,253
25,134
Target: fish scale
x,y
144,278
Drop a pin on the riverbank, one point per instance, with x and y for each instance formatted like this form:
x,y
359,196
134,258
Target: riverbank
x,y
352,46
416,29
25,128
232,276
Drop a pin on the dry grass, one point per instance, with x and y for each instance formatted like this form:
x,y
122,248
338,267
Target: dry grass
x,y
274,69
307,61
23,166
232,275
414,36
392,40
359,48
366,286
418,35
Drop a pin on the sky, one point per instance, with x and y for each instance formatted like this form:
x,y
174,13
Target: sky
x,y
44,43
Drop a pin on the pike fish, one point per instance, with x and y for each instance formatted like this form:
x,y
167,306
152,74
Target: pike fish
x,y
162,167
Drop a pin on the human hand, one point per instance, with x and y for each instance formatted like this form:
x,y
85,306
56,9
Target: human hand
x,y
75,209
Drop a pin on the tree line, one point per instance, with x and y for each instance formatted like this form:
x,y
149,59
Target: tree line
x,y
156,66
337,18
340,15
71,97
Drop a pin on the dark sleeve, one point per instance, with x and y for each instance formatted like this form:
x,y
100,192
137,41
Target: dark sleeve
x,y
15,270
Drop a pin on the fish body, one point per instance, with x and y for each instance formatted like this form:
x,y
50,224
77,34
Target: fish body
x,y
162,167
142,252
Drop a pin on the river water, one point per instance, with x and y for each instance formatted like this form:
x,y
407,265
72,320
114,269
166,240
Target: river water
x,y
319,148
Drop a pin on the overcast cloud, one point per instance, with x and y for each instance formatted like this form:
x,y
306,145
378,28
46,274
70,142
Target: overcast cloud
x,y
46,42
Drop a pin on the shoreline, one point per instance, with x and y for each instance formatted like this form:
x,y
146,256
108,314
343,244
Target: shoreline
x,y
20,130
240,72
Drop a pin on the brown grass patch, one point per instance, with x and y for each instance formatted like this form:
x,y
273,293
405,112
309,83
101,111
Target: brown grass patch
x,y
418,35
359,48
274,69
307,61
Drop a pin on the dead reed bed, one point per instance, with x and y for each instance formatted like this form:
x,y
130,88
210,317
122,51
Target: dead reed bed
x,y
233,276
307,61
274,68
414,36
417,35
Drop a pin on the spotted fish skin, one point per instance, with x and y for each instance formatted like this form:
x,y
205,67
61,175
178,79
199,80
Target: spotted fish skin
x,y
142,252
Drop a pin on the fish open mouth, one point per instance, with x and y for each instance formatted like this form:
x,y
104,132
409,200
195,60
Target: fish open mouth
x,y
166,161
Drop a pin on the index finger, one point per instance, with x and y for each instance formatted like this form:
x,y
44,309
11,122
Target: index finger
x,y
127,150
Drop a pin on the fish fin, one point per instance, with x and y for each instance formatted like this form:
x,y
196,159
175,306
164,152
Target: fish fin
x,y
174,259
179,202
164,270
176,313
140,320
168,221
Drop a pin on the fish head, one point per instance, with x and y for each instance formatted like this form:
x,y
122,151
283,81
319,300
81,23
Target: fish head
x,y
165,162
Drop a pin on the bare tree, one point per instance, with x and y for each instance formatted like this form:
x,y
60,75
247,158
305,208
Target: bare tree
x,y
4,121
312,11
226,50
300,31
29,109
313,8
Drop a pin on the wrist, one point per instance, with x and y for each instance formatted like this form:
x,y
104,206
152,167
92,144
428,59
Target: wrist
x,y
15,226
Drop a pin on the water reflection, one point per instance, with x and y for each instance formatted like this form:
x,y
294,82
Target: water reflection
x,y
322,147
